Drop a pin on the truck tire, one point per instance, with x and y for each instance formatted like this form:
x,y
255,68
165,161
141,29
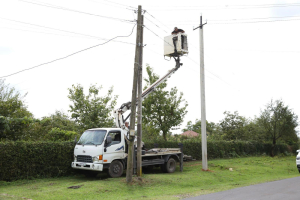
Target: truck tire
x,y
170,166
115,169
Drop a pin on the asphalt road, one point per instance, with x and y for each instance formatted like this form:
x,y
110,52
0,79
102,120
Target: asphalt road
x,y
287,189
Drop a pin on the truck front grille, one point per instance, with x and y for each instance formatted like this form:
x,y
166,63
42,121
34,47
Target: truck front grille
x,y
86,159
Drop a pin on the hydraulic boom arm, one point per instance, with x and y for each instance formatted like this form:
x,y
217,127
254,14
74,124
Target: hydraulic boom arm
x,y
118,113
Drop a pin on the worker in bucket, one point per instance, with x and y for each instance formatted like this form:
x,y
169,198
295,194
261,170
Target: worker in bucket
x,y
175,38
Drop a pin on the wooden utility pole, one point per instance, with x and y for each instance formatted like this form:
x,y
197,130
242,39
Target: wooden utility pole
x,y
203,109
129,171
139,119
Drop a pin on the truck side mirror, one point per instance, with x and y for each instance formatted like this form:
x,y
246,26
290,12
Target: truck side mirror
x,y
108,140
75,140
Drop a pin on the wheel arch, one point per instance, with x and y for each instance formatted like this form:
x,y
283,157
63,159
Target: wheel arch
x,y
174,156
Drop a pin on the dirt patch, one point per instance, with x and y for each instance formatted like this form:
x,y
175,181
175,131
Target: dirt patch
x,y
75,187
138,181
208,170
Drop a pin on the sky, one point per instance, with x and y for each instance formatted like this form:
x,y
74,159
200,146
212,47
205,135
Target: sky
x,y
251,51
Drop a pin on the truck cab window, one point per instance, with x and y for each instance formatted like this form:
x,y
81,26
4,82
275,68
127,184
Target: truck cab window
x,y
116,137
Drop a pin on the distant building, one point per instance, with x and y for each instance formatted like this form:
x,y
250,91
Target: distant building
x,y
190,134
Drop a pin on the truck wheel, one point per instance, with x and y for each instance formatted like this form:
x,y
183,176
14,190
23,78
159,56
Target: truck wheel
x,y
115,169
170,166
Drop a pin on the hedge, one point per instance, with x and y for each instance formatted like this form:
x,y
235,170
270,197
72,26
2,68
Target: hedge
x,y
26,160
226,149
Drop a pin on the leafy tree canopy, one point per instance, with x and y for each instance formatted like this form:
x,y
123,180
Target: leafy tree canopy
x,y
210,127
278,122
14,116
12,102
92,110
163,109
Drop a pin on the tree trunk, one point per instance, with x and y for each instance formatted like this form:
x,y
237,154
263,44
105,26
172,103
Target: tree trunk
x,y
273,147
165,135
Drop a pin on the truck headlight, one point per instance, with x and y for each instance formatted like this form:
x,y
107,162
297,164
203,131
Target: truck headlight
x,y
97,158
75,158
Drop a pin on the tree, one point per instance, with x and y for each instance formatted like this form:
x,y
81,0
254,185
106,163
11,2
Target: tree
x,y
163,108
210,127
233,125
12,102
48,126
278,122
91,111
14,116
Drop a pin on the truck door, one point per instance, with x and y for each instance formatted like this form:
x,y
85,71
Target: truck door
x,y
116,149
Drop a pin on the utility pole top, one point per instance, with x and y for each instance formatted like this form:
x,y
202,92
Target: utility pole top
x,y
201,25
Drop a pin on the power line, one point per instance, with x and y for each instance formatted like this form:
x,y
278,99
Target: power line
x,y
67,55
188,57
157,20
81,34
282,20
77,11
157,35
120,4
180,8
242,22
156,25
223,20
122,7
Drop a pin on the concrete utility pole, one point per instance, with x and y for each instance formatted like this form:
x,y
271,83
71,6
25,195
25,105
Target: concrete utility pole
x,y
203,110
133,99
140,91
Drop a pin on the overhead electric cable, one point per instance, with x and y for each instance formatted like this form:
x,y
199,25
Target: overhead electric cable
x,y
67,55
157,35
156,19
40,26
115,6
180,8
217,6
156,25
247,22
235,20
120,4
77,11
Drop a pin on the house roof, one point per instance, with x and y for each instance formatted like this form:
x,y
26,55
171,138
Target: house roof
x,y
190,134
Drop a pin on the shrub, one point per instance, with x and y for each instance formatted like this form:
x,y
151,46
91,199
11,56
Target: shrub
x,y
26,160
224,149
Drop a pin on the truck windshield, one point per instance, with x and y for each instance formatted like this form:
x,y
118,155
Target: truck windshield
x,y
92,137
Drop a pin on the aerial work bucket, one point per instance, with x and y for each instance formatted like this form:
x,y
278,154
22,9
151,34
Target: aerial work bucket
x,y
175,45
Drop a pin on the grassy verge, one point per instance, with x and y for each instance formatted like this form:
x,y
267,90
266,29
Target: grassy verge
x,y
191,182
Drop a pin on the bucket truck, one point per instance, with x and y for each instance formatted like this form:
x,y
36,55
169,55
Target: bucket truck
x,y
105,149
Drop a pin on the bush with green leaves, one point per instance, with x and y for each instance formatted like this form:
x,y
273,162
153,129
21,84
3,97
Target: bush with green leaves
x,y
27,160
223,149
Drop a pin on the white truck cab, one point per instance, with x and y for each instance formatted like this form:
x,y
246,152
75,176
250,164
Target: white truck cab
x,y
99,147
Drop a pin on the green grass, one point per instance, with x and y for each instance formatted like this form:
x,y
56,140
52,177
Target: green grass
x,y
191,182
